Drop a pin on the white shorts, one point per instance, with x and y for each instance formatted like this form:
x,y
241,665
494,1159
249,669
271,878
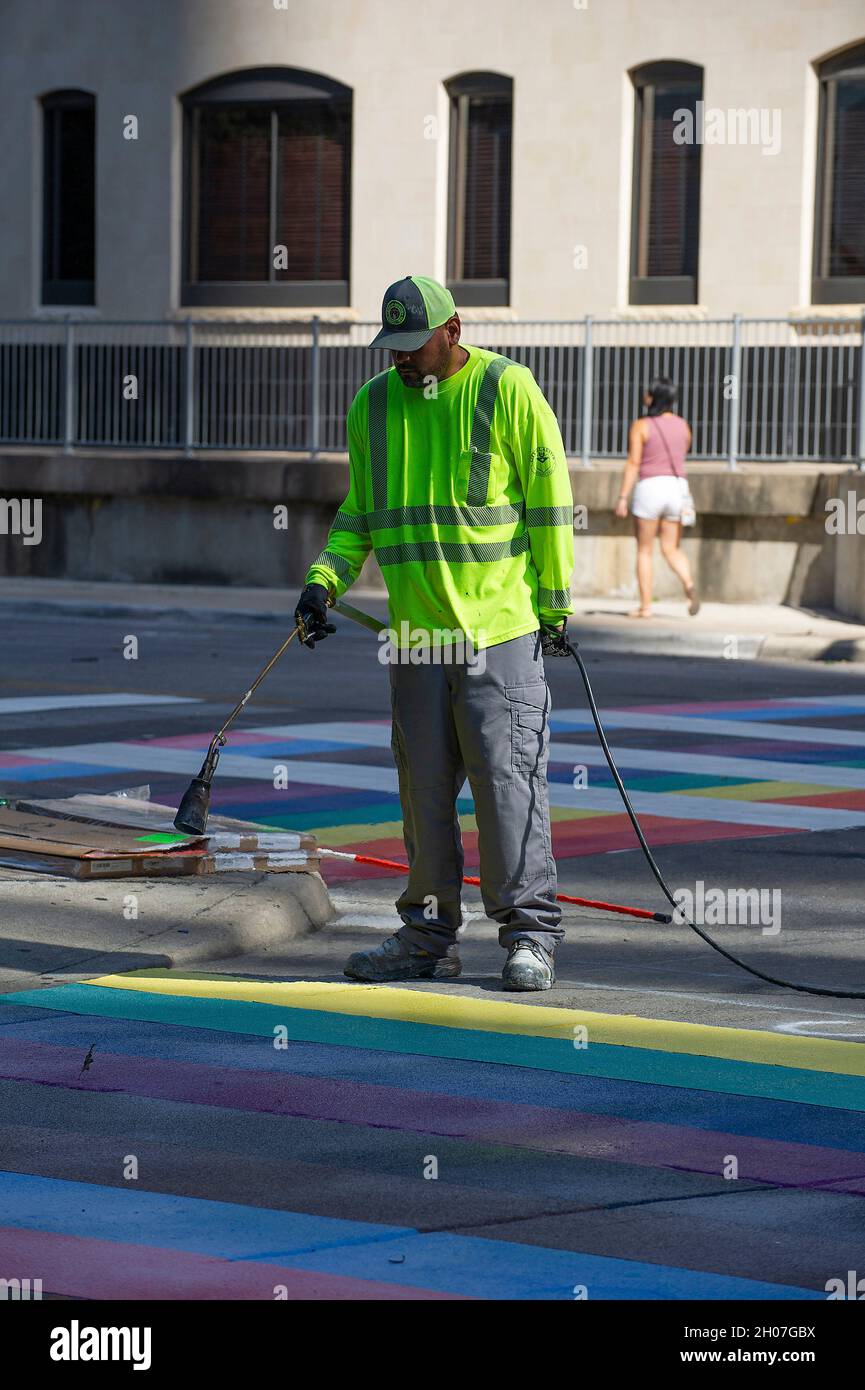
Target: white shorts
x,y
658,498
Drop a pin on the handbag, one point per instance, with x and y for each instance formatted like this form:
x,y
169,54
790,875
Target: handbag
x,y
688,513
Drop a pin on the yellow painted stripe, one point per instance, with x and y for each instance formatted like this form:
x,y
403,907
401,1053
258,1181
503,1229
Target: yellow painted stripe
x,y
760,791
503,1016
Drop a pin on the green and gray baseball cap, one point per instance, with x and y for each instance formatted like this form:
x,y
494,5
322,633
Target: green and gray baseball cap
x,y
411,311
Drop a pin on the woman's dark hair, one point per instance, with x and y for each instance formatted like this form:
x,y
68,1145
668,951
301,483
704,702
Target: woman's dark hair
x,y
663,392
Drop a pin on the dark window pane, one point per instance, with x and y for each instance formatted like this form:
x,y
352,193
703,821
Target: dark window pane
x,y
232,194
312,196
673,187
847,163
70,193
486,247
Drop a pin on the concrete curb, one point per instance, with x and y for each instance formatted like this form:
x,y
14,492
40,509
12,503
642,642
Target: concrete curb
x,y
56,927
98,608
752,646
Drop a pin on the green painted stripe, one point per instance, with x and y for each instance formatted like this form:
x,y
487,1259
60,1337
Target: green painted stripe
x,y
443,514
459,552
377,401
719,1075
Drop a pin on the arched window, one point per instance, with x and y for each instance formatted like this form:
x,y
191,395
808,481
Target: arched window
x,y
479,188
665,228
69,198
267,184
839,222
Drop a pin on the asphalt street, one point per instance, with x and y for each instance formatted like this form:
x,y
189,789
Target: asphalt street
x,y
556,1172
606,962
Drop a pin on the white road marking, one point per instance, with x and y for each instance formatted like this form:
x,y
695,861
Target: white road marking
x,y
814,1027
782,815
365,777
711,765
35,704
757,1004
696,725
149,758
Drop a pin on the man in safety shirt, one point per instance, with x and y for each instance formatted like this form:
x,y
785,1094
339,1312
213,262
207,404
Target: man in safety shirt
x,y
459,485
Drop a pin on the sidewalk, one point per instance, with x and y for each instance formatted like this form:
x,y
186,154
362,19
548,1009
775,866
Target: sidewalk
x,y
740,631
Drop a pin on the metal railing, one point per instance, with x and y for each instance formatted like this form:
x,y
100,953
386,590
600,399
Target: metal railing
x,y
752,389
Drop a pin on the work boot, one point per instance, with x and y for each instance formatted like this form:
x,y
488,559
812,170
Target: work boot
x,y
396,959
528,966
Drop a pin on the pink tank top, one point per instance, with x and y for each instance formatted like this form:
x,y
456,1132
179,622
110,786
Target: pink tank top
x,y
655,462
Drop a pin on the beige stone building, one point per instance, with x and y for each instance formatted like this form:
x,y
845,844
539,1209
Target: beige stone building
x,y
569,157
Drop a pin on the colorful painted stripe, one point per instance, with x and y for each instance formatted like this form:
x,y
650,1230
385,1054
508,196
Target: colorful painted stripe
x,y
428,1111
746,1116
360,1016
445,1263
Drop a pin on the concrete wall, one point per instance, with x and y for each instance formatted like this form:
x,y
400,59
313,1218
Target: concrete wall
x,y
849,587
761,535
573,109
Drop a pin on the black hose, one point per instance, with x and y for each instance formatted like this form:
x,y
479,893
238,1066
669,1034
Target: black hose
x,y
704,936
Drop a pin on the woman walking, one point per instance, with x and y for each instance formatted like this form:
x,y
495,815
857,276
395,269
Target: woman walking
x,y
657,444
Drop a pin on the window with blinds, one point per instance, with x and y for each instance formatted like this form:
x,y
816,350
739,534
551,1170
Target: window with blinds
x,y
268,191
839,223
69,198
665,231
479,188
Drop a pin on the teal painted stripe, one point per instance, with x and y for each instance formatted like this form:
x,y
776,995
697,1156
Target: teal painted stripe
x,y
652,1067
312,820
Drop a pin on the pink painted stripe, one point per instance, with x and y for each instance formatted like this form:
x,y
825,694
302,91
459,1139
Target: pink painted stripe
x,y
16,760
545,1129
87,1268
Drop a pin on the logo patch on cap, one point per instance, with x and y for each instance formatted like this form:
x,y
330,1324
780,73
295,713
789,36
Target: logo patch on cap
x,y
395,313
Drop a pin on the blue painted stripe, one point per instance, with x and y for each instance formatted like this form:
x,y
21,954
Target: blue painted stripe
x,y
774,713
48,772
472,1265
742,1115
393,1035
291,747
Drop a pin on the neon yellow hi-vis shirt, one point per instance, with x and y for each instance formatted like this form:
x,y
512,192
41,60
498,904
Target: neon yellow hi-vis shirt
x,y
463,493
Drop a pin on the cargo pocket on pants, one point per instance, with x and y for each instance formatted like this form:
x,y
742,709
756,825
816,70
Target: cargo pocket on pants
x,y
529,706
397,742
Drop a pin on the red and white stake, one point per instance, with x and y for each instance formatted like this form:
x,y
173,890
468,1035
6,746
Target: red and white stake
x,y
560,897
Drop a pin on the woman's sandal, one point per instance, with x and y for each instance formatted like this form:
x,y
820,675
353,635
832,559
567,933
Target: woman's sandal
x,y
693,600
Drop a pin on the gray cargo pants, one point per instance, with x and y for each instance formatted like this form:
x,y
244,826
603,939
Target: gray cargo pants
x,y
491,725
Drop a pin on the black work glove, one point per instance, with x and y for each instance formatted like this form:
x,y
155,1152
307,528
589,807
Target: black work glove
x,y
554,640
310,615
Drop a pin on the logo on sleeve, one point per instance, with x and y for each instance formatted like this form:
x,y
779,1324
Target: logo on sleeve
x,y
395,313
542,461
